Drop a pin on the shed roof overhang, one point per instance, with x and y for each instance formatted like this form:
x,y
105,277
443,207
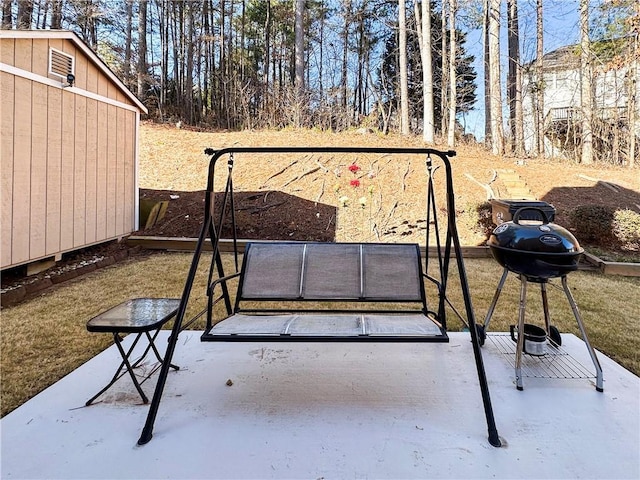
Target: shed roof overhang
x,y
79,43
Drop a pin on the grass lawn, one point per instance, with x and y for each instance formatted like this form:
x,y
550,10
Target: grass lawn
x,y
45,339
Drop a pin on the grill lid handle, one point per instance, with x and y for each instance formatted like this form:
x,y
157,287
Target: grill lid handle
x,y
543,214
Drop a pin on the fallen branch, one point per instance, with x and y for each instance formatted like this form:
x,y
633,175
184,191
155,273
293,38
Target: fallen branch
x,y
611,186
404,177
487,188
321,193
324,169
375,230
329,224
391,213
379,204
295,179
253,210
280,172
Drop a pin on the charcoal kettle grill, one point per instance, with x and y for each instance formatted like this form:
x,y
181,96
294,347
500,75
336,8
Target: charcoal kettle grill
x,y
536,251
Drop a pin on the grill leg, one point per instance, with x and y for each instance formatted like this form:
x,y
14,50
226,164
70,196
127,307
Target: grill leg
x,y
492,307
520,346
583,332
545,307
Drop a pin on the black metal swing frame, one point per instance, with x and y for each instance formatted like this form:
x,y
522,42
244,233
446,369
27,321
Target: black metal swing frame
x,y
211,232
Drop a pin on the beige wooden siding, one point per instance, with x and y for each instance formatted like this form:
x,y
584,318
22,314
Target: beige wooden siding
x,y
68,161
54,170
66,183
38,185
21,171
7,86
112,145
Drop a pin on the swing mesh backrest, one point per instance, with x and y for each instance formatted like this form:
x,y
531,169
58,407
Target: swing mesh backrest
x,y
332,271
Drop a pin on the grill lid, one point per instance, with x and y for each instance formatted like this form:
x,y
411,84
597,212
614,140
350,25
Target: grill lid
x,y
534,236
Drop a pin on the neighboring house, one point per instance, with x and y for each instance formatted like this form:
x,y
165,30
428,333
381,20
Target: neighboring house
x,y
69,148
562,111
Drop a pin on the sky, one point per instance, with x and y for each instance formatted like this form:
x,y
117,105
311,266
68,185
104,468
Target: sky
x,y
561,27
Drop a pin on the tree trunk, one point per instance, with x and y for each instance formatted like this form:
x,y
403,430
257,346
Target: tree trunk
x,y
56,14
540,86
267,56
42,14
514,80
633,90
586,86
321,53
164,44
357,91
25,12
188,113
142,49
444,81
497,138
427,74
345,51
487,76
451,134
7,20
299,60
128,41
404,80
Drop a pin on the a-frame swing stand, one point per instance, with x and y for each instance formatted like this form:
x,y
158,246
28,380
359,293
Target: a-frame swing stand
x,y
328,292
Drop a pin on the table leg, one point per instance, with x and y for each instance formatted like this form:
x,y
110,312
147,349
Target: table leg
x,y
125,363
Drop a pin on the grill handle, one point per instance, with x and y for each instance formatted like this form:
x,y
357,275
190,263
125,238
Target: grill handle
x,y
571,267
543,214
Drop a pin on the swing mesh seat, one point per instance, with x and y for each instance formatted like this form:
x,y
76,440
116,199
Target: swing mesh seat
x,y
294,274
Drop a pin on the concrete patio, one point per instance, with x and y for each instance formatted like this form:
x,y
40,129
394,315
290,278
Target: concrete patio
x,y
314,410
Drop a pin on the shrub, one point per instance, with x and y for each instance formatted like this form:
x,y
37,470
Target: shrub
x,y
626,228
476,217
592,223
484,223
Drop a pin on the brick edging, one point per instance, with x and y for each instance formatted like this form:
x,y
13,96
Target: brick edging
x,y
29,290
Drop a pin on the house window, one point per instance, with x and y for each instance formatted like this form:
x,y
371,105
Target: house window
x,y
60,63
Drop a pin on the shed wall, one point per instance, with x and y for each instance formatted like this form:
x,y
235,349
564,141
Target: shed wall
x,y
68,156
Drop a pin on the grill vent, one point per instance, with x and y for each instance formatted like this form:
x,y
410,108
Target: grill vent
x,y
60,63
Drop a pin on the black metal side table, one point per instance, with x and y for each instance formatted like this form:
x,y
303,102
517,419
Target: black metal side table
x,y
141,316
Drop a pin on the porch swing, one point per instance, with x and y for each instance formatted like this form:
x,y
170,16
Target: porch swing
x,y
326,292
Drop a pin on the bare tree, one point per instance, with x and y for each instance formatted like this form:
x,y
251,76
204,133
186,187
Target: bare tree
x,y
128,42
451,134
188,113
514,80
299,60
345,52
25,12
586,85
427,72
7,20
142,48
487,74
633,84
404,81
539,87
56,14
444,81
495,95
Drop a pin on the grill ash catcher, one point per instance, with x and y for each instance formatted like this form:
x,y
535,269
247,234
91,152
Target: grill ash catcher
x,y
536,250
